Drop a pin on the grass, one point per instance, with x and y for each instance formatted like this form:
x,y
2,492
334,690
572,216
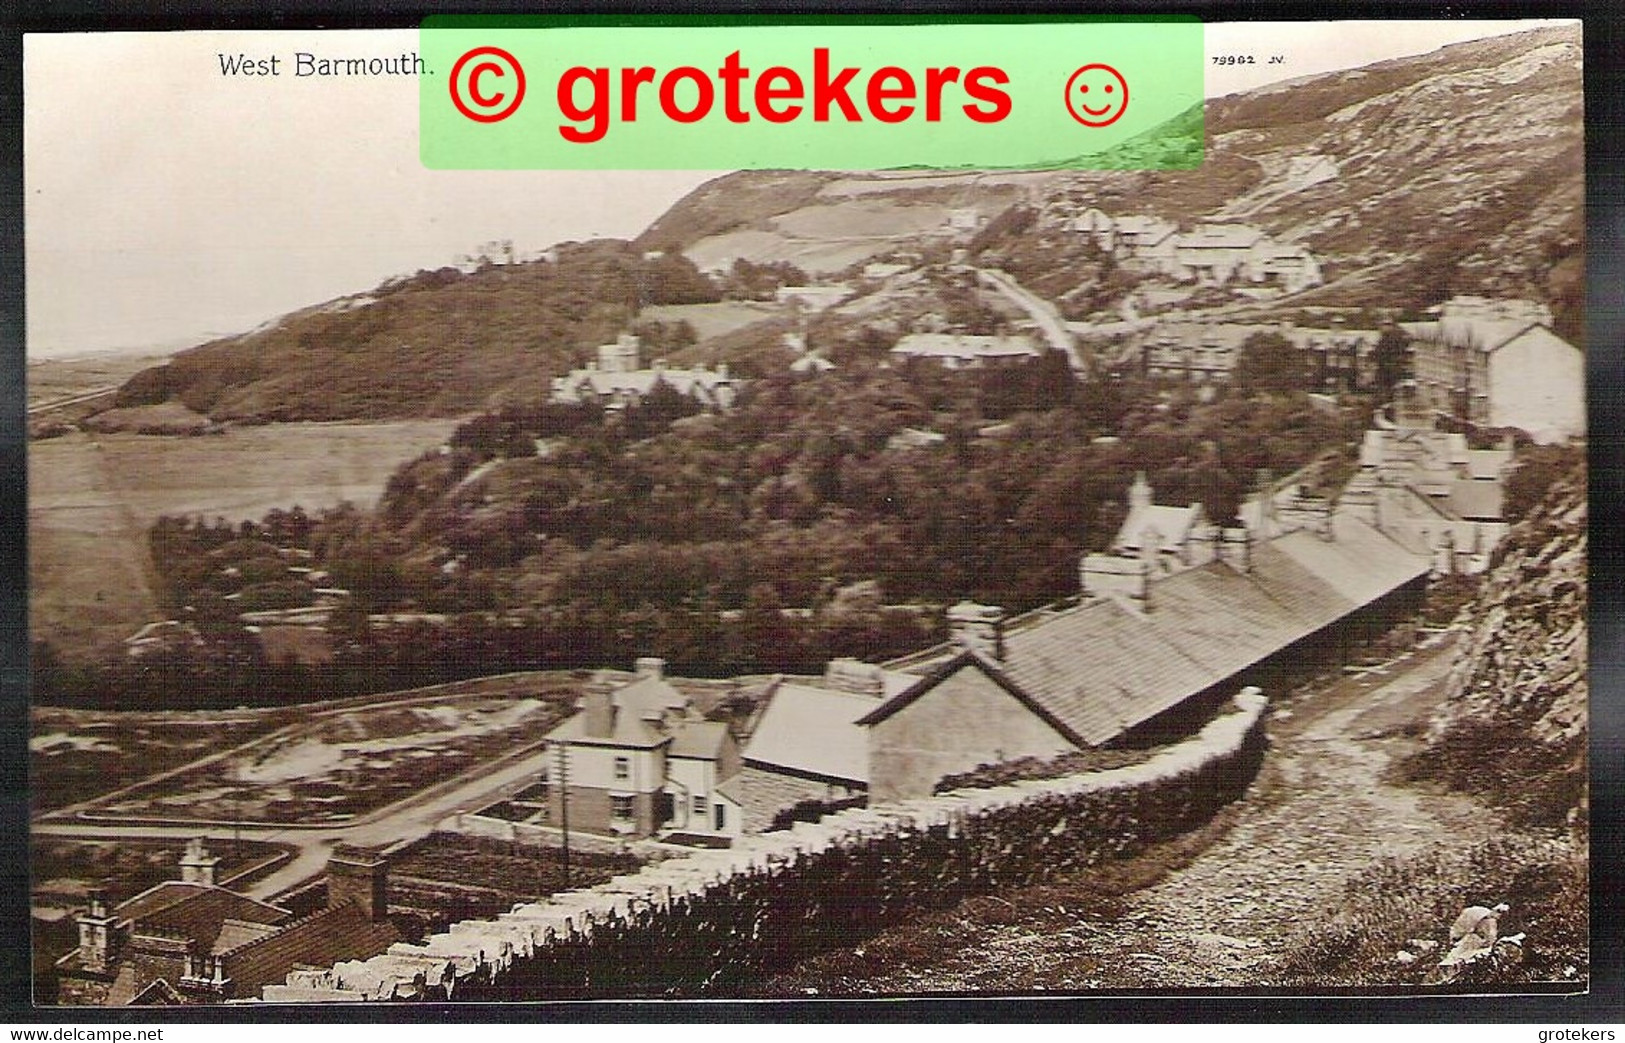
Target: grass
x,y
949,942
1397,902
91,499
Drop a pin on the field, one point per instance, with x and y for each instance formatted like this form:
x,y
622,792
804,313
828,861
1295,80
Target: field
x,y
76,755
53,379
91,498
342,764
712,320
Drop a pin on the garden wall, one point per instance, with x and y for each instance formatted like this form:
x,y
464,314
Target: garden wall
x,y
709,923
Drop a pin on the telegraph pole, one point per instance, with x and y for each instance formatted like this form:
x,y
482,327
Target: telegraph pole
x,y
563,780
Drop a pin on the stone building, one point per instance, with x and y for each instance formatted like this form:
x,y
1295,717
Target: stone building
x,y
618,378
193,941
1498,364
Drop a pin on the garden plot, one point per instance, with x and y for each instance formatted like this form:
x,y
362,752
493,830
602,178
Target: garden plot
x,y
344,764
77,755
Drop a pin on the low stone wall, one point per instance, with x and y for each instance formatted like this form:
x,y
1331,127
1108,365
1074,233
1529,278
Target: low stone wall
x,y
708,923
528,834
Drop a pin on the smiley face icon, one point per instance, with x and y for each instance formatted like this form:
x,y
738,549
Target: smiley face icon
x,y
1097,95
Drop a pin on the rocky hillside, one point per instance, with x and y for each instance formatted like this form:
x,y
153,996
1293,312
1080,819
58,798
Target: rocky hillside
x,y
1458,171
1514,728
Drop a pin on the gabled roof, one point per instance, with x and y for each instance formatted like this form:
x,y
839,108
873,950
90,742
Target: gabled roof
x,y
813,731
1172,523
648,695
195,909
968,659
700,740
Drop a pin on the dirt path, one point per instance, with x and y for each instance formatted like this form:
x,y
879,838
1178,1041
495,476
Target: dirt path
x,y
1319,813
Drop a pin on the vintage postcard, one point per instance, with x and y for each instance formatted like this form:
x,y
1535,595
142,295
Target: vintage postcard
x,y
824,509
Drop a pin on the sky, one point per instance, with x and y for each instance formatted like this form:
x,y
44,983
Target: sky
x,y
167,204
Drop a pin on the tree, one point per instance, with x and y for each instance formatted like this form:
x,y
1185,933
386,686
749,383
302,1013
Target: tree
x,y
1392,359
1270,363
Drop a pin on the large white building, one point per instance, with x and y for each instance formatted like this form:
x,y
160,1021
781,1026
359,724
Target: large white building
x,y
1497,363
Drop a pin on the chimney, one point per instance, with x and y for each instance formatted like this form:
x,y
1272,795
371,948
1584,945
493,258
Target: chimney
x,y
855,676
1203,544
197,865
96,940
1100,575
598,711
650,666
1140,494
979,627
1151,548
1236,548
358,877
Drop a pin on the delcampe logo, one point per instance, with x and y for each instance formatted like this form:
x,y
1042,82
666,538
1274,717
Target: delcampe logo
x,y
810,93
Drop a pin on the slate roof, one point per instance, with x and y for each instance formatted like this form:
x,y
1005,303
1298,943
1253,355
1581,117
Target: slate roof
x,y
1173,523
627,731
701,740
648,695
198,911
814,731
1102,668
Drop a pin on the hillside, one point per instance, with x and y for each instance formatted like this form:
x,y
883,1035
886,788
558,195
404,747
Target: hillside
x,y
1458,171
448,341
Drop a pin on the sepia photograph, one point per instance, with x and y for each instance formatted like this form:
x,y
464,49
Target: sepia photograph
x,y
512,586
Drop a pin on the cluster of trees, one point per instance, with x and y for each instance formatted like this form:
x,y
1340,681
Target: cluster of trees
x,y
726,544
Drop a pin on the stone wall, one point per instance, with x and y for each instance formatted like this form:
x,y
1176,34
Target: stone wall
x,y
710,923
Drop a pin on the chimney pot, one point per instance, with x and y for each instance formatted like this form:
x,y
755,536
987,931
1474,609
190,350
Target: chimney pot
x,y
978,627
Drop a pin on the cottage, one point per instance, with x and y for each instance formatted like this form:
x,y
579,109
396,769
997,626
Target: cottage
x,y
1166,534
965,350
1432,493
807,749
1497,363
637,759
192,940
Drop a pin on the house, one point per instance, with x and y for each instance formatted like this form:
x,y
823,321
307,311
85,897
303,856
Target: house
x,y
1497,363
807,749
966,350
1215,254
1168,534
636,760
813,298
1340,358
192,940
1432,493
618,379
964,219
1197,352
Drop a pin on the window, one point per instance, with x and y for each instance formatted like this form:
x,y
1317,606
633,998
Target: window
x,y
620,808
699,804
722,816
623,767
